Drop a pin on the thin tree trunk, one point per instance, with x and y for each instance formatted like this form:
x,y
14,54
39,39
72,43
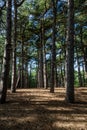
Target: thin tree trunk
x,y
62,77
18,79
79,71
56,77
44,56
1,65
40,61
83,70
53,58
22,66
30,75
26,76
13,84
40,68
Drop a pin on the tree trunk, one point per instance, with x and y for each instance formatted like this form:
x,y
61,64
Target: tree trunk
x,y
40,68
18,79
30,75
22,63
26,75
40,60
13,84
44,56
70,54
53,58
56,76
79,71
83,75
8,48
1,64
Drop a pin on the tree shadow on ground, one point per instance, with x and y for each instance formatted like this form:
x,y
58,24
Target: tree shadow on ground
x,y
40,110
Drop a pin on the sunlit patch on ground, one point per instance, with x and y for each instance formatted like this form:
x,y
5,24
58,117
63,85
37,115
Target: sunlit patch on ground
x,y
38,109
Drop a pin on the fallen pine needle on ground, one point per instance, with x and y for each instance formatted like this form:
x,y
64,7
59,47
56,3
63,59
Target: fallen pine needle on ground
x,y
38,109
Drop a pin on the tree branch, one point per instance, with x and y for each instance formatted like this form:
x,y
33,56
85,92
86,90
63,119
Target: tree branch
x,y
3,5
19,4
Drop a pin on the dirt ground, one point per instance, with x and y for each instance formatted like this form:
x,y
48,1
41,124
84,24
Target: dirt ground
x,y
38,109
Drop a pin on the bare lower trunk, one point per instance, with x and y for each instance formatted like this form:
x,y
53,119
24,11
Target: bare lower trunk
x,y
6,64
53,58
40,69
13,84
70,54
79,71
44,56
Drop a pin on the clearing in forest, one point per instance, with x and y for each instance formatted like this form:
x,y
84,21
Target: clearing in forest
x,y
38,109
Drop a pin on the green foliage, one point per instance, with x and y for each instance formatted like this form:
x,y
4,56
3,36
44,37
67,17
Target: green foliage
x,y
32,79
76,82
2,41
30,15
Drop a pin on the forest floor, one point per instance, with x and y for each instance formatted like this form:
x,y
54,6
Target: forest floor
x,y
38,109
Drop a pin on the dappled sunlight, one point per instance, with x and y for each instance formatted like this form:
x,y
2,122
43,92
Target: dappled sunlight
x,y
38,109
69,125
19,120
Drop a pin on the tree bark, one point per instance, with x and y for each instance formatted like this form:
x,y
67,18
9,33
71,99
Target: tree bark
x,y
70,54
13,84
79,71
7,56
22,62
44,56
40,68
53,57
